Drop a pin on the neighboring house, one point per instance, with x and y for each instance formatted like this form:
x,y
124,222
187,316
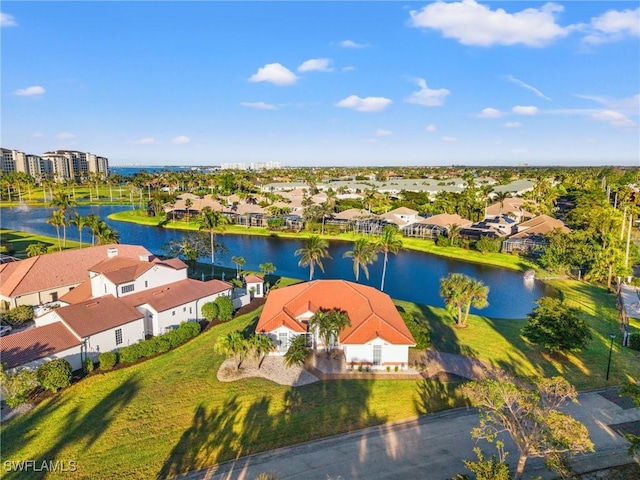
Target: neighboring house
x,y
256,283
511,206
45,278
377,337
530,235
435,225
402,217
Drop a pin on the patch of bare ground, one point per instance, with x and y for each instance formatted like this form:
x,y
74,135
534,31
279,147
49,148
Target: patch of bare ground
x,y
272,368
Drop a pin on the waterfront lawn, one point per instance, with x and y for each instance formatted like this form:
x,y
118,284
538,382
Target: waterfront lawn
x,y
21,240
170,414
498,341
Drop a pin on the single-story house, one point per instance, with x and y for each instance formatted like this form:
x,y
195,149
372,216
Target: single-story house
x,y
435,225
377,337
530,235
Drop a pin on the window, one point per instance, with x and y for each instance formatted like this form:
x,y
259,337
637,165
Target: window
x,y
283,338
258,289
190,310
128,288
184,309
119,336
54,296
377,354
146,284
173,313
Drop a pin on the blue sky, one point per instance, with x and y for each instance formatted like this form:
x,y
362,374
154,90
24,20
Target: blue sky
x,y
324,83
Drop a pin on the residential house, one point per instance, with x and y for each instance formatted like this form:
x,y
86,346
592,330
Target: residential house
x,y
530,235
435,225
377,337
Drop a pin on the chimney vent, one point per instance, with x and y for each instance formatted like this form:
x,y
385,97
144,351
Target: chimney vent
x,y
112,252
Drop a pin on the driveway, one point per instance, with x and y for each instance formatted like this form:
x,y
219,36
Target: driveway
x,y
431,447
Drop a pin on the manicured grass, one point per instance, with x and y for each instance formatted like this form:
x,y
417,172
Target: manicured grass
x,y
170,414
21,240
498,341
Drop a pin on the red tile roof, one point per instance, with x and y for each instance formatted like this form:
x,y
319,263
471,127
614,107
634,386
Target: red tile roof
x,y
59,269
253,279
97,315
371,312
175,294
78,294
121,269
24,347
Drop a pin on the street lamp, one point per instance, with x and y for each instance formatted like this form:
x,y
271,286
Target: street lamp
x,y
611,336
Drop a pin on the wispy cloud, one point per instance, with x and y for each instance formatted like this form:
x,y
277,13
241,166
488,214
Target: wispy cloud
x,y
180,140
30,91
348,68
525,110
316,65
426,96
274,73
383,133
490,113
145,141
615,119
430,128
473,24
613,25
351,44
7,20
512,125
65,136
259,105
367,104
526,86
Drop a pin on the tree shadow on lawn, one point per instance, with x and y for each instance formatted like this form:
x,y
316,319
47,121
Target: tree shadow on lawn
x,y
238,427
432,394
80,430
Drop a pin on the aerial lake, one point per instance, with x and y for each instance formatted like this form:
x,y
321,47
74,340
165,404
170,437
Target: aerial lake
x,y
412,276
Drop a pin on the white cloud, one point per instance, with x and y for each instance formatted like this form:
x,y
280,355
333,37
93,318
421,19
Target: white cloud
x,y
430,128
538,93
259,105
65,136
525,110
475,24
352,44
368,104
180,140
316,65
449,139
7,20
30,91
629,103
512,125
348,68
490,113
614,25
426,96
615,119
145,141
274,73
383,133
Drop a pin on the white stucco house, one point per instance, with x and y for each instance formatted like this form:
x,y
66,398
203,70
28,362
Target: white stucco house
x,y
377,337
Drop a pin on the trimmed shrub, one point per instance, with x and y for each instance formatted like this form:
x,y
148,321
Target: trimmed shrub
x,y
225,308
55,374
191,329
419,332
634,341
488,245
107,360
210,311
87,365
18,386
130,354
19,315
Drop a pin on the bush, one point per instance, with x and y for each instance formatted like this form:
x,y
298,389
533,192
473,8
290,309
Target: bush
x,y
108,360
419,332
19,315
443,241
191,329
634,341
55,374
87,365
225,308
210,311
488,245
18,386
130,354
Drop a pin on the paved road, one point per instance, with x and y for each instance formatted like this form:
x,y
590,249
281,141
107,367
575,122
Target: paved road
x,y
431,447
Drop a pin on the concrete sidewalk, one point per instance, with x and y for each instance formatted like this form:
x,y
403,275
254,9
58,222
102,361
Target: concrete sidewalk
x,y
430,447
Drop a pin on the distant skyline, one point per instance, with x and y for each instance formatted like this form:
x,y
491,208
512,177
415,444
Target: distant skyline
x,y
324,83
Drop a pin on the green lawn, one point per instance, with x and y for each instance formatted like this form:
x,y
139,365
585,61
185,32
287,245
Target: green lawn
x,y
170,414
19,241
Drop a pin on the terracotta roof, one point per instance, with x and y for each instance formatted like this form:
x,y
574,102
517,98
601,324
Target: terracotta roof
x,y
97,315
371,312
175,294
446,220
353,213
403,211
78,294
540,225
253,279
59,269
24,347
121,269
174,263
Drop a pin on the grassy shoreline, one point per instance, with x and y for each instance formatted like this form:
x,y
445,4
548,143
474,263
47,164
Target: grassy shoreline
x,y
511,262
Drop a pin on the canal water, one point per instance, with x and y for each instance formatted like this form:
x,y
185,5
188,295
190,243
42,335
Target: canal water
x,y
412,276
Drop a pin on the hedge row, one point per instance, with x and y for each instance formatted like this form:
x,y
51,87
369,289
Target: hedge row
x,y
634,341
146,348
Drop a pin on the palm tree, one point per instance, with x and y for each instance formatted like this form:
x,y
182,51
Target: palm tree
x,y
188,204
261,345
500,197
57,220
233,344
475,294
328,324
389,242
452,291
297,352
35,249
364,253
105,234
267,268
92,222
453,233
214,222
80,222
63,201
239,261
312,254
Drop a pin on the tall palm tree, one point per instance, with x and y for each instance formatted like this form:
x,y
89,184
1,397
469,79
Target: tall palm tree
x,y
92,222
328,324
364,253
63,201
452,291
389,242
312,254
57,220
476,294
214,222
105,234
239,261
80,222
